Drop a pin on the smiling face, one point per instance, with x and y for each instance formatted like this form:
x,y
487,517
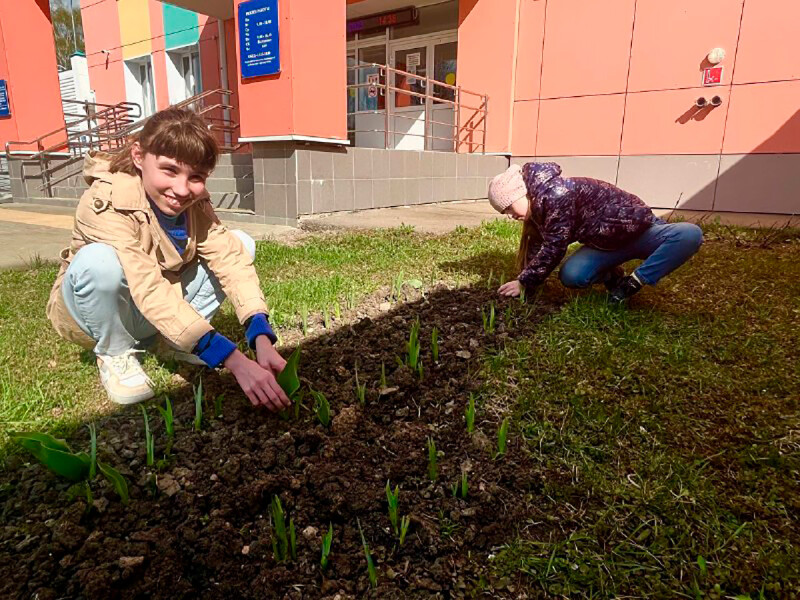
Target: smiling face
x,y
171,185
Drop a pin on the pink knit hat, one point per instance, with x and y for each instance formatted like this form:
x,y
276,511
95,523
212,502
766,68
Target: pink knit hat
x,y
507,188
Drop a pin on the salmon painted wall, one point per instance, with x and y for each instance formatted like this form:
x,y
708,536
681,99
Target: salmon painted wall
x,y
101,32
487,48
308,96
598,79
29,68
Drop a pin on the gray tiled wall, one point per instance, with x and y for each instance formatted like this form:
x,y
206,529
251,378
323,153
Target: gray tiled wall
x,y
327,179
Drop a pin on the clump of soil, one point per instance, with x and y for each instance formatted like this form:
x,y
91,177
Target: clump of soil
x,y
202,529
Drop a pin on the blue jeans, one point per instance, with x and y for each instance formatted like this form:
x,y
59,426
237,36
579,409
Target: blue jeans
x,y
96,294
664,247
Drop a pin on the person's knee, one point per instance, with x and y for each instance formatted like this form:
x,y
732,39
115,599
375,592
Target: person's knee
x,y
572,276
249,243
99,265
691,236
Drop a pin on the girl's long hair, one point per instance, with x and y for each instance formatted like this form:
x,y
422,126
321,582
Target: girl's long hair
x,y
531,239
177,133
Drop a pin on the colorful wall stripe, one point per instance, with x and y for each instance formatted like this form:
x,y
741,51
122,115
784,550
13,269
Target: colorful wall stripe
x,y
134,28
180,26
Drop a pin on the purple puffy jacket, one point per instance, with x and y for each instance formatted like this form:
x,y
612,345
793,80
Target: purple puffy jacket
x,y
577,209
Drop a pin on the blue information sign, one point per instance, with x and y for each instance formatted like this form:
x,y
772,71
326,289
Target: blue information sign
x,y
259,52
5,108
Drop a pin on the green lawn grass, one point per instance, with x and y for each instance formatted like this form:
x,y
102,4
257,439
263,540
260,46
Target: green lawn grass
x,y
667,434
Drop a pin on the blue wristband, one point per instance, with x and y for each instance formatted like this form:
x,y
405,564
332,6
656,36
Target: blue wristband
x,y
213,348
259,325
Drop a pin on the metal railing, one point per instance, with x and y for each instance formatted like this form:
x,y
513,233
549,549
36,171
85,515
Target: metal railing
x,y
384,85
109,127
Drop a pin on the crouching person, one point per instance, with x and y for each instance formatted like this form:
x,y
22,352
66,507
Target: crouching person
x,y
150,264
613,225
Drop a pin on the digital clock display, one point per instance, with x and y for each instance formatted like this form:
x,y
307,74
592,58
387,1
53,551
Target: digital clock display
x,y
404,16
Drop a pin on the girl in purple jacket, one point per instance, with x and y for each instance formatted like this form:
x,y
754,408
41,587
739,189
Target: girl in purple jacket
x,y
614,227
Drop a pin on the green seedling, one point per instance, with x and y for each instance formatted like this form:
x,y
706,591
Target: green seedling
x,y
508,315
383,376
327,540
397,286
149,442
404,523
169,423
57,456
393,498
361,390
337,311
198,405
92,451
433,469
435,345
280,543
461,488
413,346
469,414
420,370
522,296
322,408
218,406
489,279
326,317
502,438
288,379
373,573
488,318
351,299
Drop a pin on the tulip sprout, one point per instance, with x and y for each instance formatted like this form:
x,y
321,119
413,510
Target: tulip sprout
x,y
488,318
393,499
373,573
218,406
288,379
470,414
383,376
433,469
282,547
92,451
322,408
435,345
169,422
361,390
149,442
502,438
413,346
461,488
326,317
327,540
198,405
404,523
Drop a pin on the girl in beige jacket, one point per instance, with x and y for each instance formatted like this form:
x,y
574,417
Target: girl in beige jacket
x,y
150,264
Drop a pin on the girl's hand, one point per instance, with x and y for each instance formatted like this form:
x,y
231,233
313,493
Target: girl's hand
x,y
268,357
257,382
511,289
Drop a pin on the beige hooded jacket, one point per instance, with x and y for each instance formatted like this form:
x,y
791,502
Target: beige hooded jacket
x,y
115,211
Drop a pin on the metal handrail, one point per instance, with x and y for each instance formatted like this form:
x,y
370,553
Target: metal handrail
x,y
463,134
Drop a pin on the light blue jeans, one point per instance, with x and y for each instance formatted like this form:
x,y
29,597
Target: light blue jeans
x,y
97,296
664,247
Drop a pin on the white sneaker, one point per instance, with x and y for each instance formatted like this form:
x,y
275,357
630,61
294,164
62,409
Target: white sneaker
x,y
124,379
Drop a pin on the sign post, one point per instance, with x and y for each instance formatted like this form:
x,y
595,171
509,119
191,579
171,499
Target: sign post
x,y
259,38
5,107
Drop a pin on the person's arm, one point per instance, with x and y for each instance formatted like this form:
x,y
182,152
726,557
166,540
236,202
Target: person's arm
x,y
558,213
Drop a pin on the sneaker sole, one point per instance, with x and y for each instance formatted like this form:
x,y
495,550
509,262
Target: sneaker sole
x,y
135,399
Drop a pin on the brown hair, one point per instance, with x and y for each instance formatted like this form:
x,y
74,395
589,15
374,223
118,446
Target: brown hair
x,y
531,238
177,133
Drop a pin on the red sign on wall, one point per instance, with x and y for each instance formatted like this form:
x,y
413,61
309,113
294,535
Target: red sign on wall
x,y
712,76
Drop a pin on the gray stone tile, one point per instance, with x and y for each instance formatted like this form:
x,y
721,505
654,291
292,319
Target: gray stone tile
x,y
343,194
450,169
275,203
412,191
321,165
397,192
380,164
304,201
363,194
291,168
398,164
764,183
291,201
323,195
439,164
462,165
425,190
440,188
362,158
464,188
343,164
426,160
413,164
303,163
683,181
259,199
274,170
381,193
